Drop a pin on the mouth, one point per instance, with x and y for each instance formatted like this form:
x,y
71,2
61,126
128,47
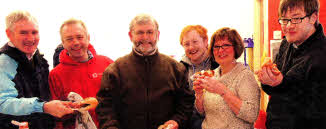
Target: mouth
x,y
222,55
29,44
192,52
144,43
291,32
75,49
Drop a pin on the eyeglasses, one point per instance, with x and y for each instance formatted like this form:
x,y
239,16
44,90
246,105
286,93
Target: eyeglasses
x,y
292,20
225,46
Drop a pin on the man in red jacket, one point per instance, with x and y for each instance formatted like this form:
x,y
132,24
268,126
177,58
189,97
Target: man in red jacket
x,y
80,69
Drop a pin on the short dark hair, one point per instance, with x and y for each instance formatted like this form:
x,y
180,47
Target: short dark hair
x,y
310,7
230,34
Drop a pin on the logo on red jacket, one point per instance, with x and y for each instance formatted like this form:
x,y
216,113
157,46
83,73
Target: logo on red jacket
x,y
95,75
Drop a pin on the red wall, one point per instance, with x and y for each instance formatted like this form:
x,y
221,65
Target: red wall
x,y
273,16
272,19
322,13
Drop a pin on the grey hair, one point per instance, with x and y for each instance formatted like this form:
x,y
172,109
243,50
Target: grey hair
x,y
142,19
19,15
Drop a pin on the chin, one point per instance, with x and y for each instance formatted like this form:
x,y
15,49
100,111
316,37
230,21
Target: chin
x,y
194,59
146,50
29,51
290,41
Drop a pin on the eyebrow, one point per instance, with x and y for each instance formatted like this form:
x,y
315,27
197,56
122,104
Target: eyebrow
x,y
296,14
224,44
68,37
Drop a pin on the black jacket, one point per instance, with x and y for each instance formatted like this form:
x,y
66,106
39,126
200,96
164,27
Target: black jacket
x,y
56,54
31,80
300,100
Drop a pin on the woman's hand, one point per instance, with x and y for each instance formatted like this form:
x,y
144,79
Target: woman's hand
x,y
212,85
198,88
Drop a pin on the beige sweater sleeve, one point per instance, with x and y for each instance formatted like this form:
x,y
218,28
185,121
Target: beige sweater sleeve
x,y
248,91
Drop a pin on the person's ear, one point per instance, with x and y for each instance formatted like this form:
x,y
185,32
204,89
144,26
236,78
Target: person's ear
x,y
158,35
313,18
9,34
206,43
130,36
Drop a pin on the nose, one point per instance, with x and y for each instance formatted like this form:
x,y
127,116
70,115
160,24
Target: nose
x,y
75,42
219,50
145,36
190,47
290,25
30,37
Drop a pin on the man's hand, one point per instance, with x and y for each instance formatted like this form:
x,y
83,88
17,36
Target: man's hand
x,y
266,76
171,124
57,108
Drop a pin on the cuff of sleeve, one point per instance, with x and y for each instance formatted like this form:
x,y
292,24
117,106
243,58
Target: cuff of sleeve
x,y
38,106
248,112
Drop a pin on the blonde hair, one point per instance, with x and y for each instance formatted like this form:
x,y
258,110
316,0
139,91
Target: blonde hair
x,y
142,19
73,21
18,15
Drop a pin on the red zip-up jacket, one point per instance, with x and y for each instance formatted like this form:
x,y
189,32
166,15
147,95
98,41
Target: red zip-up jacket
x,y
81,78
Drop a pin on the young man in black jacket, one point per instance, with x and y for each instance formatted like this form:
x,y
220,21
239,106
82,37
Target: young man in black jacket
x,y
298,93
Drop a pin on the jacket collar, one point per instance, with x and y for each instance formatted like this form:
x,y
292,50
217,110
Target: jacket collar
x,y
141,57
141,54
318,35
185,60
66,59
22,59
13,46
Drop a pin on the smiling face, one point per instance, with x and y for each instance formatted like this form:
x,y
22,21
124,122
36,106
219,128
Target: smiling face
x,y
226,55
75,40
144,37
298,33
195,47
25,36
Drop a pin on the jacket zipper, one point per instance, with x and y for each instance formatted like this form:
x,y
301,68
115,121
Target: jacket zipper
x,y
147,92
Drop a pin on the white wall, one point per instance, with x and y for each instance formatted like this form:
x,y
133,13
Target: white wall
x,y
108,20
